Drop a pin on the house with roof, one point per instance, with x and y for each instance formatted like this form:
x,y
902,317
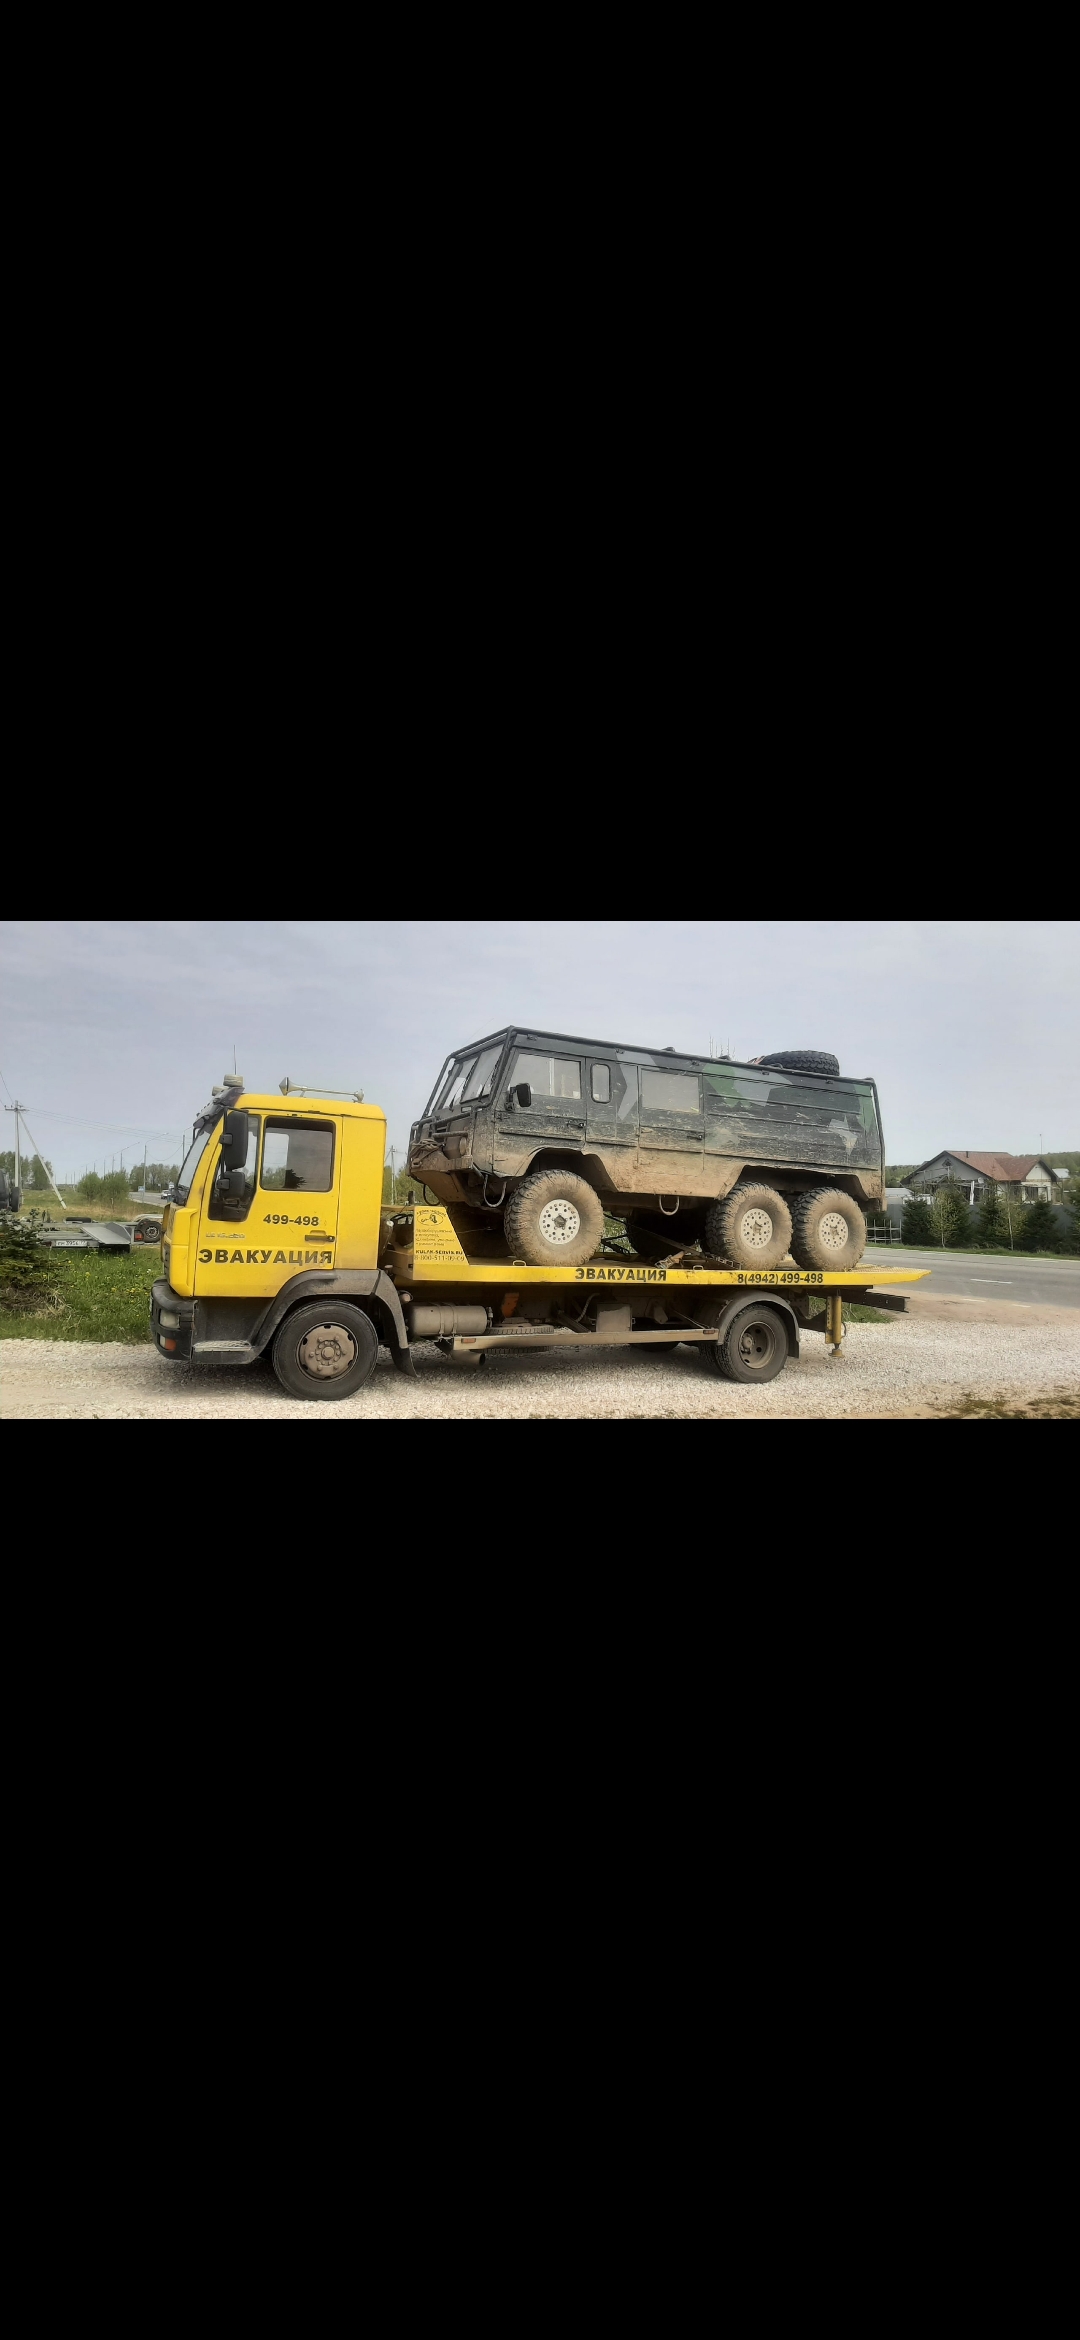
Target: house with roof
x,y
1025,1178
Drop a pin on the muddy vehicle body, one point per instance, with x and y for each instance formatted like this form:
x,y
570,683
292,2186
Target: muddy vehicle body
x,y
540,1134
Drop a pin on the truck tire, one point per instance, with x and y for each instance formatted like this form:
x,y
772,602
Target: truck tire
x,y
326,1350
754,1347
554,1220
801,1060
829,1230
751,1227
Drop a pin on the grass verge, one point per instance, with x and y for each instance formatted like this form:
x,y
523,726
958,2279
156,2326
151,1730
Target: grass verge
x,y
92,1298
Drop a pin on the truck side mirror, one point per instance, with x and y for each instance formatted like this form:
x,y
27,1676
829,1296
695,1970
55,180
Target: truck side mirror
x,y
522,1096
236,1182
234,1141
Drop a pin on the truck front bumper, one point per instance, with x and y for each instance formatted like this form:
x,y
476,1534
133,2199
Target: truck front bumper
x,y
172,1320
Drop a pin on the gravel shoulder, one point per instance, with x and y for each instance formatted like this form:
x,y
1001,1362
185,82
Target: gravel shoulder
x,y
948,1355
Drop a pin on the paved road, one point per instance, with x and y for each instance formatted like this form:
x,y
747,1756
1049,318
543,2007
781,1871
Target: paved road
x,y
1049,1283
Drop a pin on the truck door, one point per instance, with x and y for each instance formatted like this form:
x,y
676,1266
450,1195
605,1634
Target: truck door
x,y
611,1109
557,1111
672,1139
291,1222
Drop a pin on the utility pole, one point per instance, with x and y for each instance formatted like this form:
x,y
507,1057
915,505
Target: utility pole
x,y
16,1109
19,1110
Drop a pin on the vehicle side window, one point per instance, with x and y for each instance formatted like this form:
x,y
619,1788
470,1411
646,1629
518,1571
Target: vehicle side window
x,y
549,1076
233,1206
601,1084
671,1092
297,1157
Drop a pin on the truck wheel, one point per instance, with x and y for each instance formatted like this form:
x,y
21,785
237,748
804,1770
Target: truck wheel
x,y
754,1347
829,1230
326,1350
751,1227
554,1219
801,1060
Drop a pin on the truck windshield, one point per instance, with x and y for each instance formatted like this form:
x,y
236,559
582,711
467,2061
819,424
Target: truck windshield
x,y
468,1079
454,1083
192,1160
482,1075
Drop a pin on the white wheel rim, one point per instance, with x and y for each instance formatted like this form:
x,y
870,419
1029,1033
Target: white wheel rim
x,y
756,1228
833,1231
560,1222
327,1351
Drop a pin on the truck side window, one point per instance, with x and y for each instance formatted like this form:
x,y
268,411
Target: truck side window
x,y
601,1084
549,1076
671,1092
235,1206
297,1158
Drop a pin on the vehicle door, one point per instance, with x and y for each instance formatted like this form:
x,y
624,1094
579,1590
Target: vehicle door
x,y
290,1222
672,1129
611,1111
555,1115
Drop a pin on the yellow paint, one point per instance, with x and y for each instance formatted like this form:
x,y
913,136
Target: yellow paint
x,y
360,1208
287,1234
182,1226
435,1244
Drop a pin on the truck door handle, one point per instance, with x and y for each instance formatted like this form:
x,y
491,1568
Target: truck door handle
x,y
572,1124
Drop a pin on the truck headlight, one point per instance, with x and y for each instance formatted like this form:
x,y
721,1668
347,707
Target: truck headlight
x,y
169,1319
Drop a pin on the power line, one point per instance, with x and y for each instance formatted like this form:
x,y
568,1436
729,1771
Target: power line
x,y
85,1121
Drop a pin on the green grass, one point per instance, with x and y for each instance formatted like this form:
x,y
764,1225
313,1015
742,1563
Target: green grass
x,y
92,1298
856,1312
946,1251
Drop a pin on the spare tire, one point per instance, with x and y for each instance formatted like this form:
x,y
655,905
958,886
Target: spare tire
x,y
801,1060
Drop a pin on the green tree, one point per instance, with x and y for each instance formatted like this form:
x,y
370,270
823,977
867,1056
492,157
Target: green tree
x,y
89,1186
114,1186
28,1272
991,1230
37,1174
950,1218
915,1224
1039,1231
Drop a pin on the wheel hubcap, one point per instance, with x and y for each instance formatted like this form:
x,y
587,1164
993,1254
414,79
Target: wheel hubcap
x,y
833,1230
755,1347
756,1228
560,1222
326,1351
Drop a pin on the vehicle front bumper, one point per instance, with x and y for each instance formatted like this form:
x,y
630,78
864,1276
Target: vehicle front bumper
x,y
172,1320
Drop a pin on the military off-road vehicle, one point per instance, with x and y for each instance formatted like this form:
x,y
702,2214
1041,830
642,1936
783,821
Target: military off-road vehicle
x,y
537,1135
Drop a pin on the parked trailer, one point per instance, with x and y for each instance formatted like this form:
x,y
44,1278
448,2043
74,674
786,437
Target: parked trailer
x,y
100,1234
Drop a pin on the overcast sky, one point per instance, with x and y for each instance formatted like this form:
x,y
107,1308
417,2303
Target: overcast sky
x,y
114,1034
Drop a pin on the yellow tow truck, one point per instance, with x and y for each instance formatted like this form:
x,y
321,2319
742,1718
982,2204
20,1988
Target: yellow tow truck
x,y
276,1240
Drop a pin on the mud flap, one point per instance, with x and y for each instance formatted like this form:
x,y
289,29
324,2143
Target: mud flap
x,y
403,1360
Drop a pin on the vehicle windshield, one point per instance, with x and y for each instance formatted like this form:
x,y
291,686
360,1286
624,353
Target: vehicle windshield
x,y
198,1148
468,1079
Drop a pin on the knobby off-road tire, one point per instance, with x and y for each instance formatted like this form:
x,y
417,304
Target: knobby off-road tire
x,y
751,1227
326,1350
828,1230
554,1219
